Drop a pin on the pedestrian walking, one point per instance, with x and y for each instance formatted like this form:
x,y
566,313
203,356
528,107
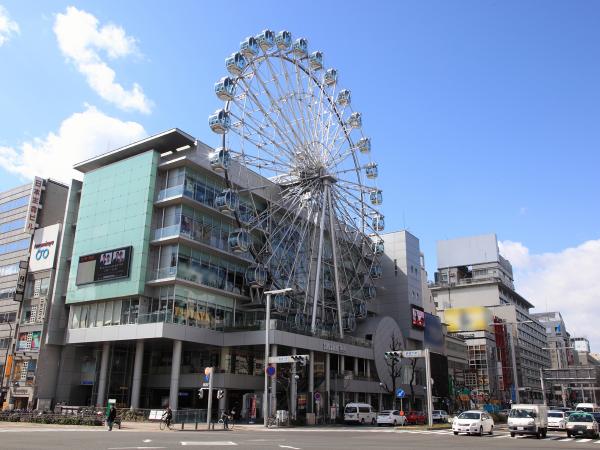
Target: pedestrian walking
x,y
110,417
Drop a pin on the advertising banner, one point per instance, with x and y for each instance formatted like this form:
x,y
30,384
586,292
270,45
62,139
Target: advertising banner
x,y
23,342
104,266
472,318
418,317
43,248
35,340
434,337
35,198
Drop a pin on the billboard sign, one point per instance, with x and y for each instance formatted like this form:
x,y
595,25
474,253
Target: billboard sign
x,y
434,336
43,248
472,318
418,317
104,266
35,201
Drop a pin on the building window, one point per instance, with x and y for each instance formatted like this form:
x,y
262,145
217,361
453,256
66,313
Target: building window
x,y
15,246
14,204
10,269
12,225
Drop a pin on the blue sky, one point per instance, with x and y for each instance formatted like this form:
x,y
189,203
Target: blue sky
x,y
483,114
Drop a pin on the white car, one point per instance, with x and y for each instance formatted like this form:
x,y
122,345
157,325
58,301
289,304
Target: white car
x,y
390,417
439,415
557,420
473,422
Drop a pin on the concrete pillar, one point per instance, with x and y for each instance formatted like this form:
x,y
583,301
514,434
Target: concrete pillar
x,y
311,382
225,351
342,367
327,402
273,403
369,369
355,366
175,368
136,385
328,375
100,398
293,388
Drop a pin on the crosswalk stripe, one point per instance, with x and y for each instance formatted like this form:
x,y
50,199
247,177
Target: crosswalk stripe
x,y
584,440
597,442
565,440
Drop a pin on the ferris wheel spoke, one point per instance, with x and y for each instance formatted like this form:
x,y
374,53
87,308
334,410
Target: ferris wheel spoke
x,y
285,97
292,100
259,128
297,141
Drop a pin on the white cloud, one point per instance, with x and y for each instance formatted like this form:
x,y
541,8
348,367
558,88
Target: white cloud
x,y
566,281
80,136
8,27
81,40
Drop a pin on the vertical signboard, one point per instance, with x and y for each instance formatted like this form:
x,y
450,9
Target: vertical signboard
x,y
43,248
35,201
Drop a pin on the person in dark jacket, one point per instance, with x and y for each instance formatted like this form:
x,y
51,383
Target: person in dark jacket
x,y
111,416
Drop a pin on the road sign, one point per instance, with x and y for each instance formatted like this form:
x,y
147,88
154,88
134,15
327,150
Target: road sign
x,y
270,371
206,378
317,397
412,353
400,393
288,359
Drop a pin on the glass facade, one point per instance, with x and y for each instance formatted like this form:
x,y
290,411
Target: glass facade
x,y
201,188
22,244
186,221
184,263
14,204
12,225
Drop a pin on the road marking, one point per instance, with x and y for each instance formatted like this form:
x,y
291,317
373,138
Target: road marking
x,y
501,436
147,440
565,440
596,442
584,440
209,443
289,446
123,448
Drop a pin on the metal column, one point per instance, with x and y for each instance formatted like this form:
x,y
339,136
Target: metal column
x,y
175,368
100,398
136,384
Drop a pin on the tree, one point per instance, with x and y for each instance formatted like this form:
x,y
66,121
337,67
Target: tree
x,y
394,365
413,370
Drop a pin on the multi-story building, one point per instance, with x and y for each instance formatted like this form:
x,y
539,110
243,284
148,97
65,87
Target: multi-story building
x,y
30,221
472,273
559,340
156,291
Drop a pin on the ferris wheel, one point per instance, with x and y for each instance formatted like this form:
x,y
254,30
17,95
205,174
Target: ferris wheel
x,y
310,219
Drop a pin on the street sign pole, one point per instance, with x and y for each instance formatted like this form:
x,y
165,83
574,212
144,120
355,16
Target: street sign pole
x,y
210,387
429,388
267,326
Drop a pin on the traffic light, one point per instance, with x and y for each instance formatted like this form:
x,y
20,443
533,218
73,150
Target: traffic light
x,y
302,359
393,356
220,394
201,393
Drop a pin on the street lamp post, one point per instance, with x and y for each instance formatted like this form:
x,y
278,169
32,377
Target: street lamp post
x,y
267,326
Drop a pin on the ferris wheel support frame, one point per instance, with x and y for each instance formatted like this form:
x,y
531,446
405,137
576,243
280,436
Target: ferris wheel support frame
x,y
313,326
335,264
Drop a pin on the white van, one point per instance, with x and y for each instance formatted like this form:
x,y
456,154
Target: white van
x,y
587,407
360,413
528,419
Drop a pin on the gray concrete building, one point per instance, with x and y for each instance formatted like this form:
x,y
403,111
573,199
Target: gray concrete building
x,y
472,273
559,341
153,286
31,217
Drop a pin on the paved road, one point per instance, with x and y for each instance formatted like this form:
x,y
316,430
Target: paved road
x,y
49,438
